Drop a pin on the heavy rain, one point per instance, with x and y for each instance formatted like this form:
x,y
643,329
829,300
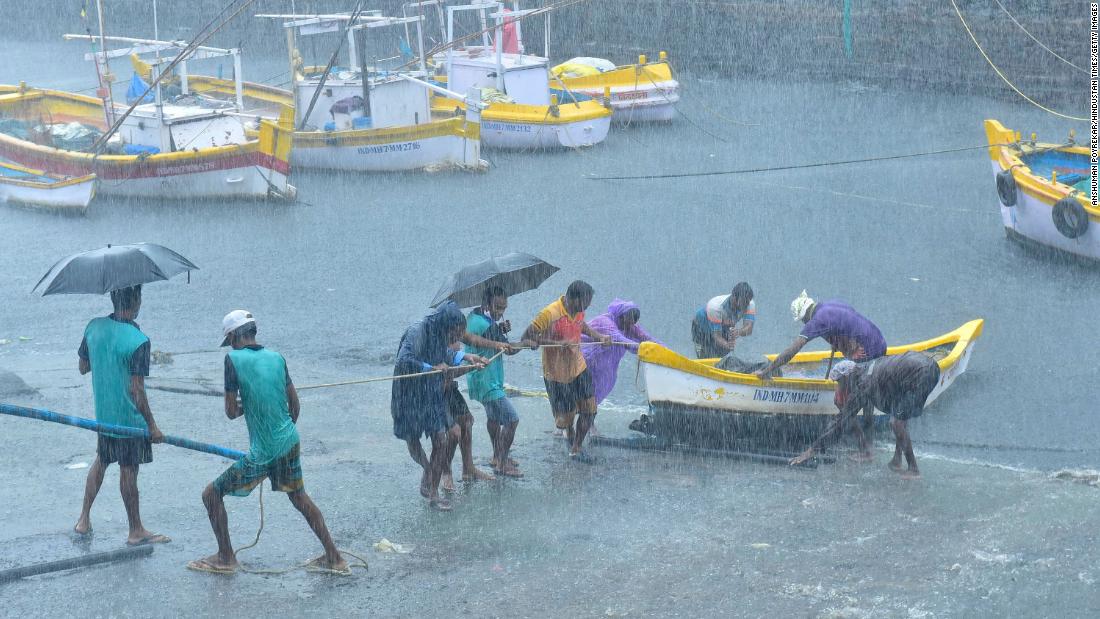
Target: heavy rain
x,y
626,205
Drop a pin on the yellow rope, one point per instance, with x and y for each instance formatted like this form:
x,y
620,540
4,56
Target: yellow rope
x,y
278,572
1002,75
1055,54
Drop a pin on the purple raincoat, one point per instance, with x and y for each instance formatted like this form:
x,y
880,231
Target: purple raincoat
x,y
603,361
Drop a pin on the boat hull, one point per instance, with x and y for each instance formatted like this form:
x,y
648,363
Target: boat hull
x,y
1030,219
70,196
453,143
515,135
694,397
256,169
638,93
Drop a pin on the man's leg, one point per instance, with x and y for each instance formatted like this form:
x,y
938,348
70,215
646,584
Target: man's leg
x,y
494,437
895,462
305,505
219,521
91,490
416,452
507,435
127,483
466,444
440,460
907,446
587,410
865,454
454,437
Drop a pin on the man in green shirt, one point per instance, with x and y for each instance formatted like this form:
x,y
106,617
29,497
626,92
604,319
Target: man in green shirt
x,y
270,407
487,335
117,353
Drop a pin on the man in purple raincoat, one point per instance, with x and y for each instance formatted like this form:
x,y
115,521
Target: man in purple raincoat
x,y
620,322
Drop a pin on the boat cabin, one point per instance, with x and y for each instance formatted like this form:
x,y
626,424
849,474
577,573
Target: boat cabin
x,y
525,78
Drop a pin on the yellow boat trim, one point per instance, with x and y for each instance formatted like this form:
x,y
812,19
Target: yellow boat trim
x,y
69,182
527,114
651,352
1005,148
275,137
363,137
626,76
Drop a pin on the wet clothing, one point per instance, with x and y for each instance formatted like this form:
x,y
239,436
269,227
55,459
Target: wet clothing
x,y
603,361
261,377
713,318
242,477
501,411
127,451
116,350
488,384
418,405
560,365
846,330
565,398
897,385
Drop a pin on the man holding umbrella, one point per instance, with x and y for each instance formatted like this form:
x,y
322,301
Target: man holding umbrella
x,y
117,353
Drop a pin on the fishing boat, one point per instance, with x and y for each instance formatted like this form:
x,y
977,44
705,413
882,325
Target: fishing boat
x,y
523,111
642,92
162,146
37,189
1043,192
381,124
692,399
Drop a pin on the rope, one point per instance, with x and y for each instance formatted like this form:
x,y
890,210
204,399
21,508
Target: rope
x,y
278,572
1002,75
1055,54
820,164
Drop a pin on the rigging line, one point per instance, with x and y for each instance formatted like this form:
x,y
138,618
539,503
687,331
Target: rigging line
x,y
1054,53
820,164
1002,75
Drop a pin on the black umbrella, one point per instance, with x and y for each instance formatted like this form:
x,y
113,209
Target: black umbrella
x,y
515,273
114,267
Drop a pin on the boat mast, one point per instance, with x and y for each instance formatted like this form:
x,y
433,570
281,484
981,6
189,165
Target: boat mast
x,y
156,70
104,74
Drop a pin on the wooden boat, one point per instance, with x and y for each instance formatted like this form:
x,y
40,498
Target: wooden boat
x,y
165,148
1043,192
35,188
692,397
643,92
392,128
532,115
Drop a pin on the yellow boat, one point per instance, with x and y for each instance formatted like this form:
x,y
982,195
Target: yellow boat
x,y
1044,192
643,92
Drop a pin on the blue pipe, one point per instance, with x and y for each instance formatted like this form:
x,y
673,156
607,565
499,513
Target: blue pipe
x,y
95,426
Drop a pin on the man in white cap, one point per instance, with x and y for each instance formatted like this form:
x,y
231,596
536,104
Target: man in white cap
x,y
270,407
898,385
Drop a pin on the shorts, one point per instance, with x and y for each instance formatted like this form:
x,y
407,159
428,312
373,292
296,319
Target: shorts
x,y
456,404
910,405
127,451
565,398
501,411
240,479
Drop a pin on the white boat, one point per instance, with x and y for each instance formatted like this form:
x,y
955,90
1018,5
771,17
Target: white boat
x,y
37,189
688,394
639,93
1043,192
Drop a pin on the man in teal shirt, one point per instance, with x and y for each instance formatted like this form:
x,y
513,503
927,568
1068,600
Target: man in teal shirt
x,y
117,353
270,407
487,335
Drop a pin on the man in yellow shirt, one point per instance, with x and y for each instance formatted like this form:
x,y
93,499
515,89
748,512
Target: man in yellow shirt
x,y
558,327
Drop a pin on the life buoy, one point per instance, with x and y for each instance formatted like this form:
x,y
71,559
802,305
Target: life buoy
x,y
1070,218
1006,187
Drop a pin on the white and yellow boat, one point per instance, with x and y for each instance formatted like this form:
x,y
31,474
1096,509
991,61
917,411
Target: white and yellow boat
x,y
37,189
242,168
643,92
688,395
1043,192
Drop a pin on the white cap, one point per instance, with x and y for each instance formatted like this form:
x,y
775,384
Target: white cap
x,y
801,305
235,320
841,369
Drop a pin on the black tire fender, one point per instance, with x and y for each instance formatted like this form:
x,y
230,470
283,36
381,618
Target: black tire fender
x,y
1006,187
1070,218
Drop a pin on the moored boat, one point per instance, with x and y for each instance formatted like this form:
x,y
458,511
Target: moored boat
x,y
693,397
1043,192
37,189
642,92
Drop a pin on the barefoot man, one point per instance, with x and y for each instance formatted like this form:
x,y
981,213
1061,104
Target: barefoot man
x,y
558,327
422,406
117,353
270,407
898,386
